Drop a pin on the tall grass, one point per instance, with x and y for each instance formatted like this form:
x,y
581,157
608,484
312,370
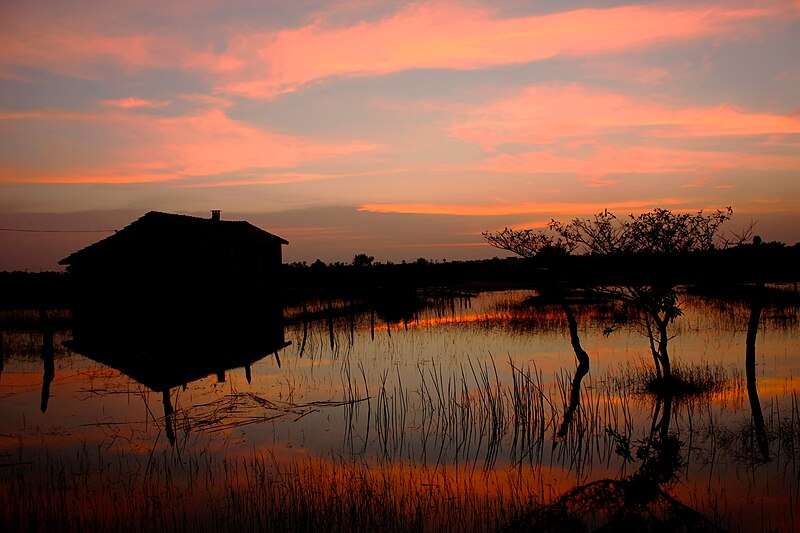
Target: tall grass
x,y
465,451
466,444
258,492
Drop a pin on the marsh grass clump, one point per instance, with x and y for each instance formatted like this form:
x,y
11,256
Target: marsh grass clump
x,y
701,380
704,379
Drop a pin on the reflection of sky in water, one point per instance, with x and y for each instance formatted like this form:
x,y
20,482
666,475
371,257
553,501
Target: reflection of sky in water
x,y
427,398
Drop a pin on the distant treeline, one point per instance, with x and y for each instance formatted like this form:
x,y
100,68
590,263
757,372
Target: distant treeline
x,y
769,262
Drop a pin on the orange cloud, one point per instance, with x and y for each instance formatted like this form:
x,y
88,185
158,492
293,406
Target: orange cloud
x,y
96,173
452,36
116,179
522,208
700,182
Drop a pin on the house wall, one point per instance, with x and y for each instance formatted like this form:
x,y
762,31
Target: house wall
x,y
191,282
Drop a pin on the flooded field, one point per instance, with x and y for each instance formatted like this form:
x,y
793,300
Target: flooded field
x,y
455,413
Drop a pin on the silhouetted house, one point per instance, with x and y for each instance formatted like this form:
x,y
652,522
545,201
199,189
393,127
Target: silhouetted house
x,y
177,268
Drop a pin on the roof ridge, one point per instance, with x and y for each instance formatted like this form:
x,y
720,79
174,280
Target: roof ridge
x,y
175,225
194,217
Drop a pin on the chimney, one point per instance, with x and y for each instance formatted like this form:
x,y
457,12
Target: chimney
x,y
215,215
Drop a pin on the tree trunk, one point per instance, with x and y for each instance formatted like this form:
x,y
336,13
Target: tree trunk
x,y
663,352
651,338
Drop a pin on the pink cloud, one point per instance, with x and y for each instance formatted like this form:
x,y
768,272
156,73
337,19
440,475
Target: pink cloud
x,y
75,41
593,133
545,114
144,149
132,103
449,35
452,36
66,50
212,143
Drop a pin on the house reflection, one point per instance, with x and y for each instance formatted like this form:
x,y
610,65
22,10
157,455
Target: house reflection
x,y
396,304
172,346
171,299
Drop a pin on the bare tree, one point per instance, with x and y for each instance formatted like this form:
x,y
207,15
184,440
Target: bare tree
x,y
659,233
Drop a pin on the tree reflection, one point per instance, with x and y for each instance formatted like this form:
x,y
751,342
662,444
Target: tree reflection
x,y
637,502
750,371
580,371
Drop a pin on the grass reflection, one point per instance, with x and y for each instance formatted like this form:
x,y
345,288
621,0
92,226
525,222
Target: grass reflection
x,y
471,416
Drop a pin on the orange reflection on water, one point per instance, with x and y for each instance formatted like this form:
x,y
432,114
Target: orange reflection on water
x,y
542,315
433,322
778,386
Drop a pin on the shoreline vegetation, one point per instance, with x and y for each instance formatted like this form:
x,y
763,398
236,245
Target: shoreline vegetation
x,y
714,271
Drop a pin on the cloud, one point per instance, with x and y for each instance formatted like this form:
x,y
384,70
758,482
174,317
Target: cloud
x,y
212,143
700,182
548,113
607,160
571,128
140,148
92,176
523,208
453,36
631,72
69,51
240,60
274,178
133,103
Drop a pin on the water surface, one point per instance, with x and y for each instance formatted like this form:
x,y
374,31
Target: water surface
x,y
464,400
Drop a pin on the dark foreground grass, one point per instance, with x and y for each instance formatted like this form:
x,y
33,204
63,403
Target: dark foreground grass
x,y
259,493
195,489
614,505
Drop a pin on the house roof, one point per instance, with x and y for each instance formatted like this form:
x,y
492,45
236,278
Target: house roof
x,y
161,227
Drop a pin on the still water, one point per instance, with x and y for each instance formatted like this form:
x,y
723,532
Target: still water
x,y
464,413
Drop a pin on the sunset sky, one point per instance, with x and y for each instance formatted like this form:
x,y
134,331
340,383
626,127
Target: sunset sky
x,y
399,129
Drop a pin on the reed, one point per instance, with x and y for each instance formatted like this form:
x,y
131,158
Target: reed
x,y
258,492
454,441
